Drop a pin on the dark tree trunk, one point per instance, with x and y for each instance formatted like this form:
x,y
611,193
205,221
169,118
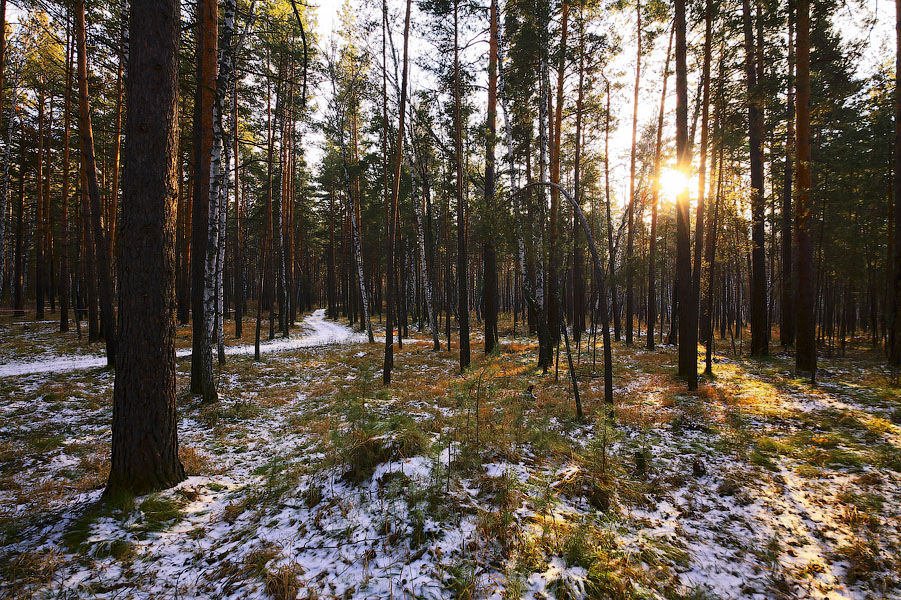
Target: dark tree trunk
x,y
104,261
758,320
462,291
488,249
145,442
688,303
39,216
702,168
806,356
392,212
787,322
655,193
630,234
64,213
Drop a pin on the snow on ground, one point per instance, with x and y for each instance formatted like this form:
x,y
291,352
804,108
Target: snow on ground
x,y
314,481
320,332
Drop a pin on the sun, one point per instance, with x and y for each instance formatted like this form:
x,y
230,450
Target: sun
x,y
672,183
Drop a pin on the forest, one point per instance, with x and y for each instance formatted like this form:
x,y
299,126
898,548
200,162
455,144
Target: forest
x,y
473,299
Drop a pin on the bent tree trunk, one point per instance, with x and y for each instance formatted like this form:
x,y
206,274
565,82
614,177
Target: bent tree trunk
x,y
145,442
602,291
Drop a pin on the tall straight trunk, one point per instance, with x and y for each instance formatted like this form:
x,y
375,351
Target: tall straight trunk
x,y
758,320
331,281
238,246
688,301
702,166
489,252
89,272
578,281
48,214
218,187
278,233
266,233
630,233
553,302
7,138
113,205
806,354
462,292
787,322
710,251
545,346
19,258
611,247
204,218
145,435
655,195
392,209
104,262
39,216
64,212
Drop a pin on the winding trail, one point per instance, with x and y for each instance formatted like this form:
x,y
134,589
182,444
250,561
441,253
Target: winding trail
x,y
316,331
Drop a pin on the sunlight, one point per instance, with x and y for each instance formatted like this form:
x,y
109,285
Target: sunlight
x,y
672,183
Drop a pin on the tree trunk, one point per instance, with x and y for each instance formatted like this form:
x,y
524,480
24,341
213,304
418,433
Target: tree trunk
x,y
238,246
554,318
655,194
462,292
758,321
104,262
39,216
688,303
64,213
220,158
611,247
702,167
392,209
488,249
630,292
806,354
145,442
205,217
787,322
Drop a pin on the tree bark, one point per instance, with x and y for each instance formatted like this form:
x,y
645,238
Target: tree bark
x,y
462,291
787,322
806,353
630,292
205,217
688,303
102,254
702,167
758,320
145,442
64,213
489,252
655,195
392,209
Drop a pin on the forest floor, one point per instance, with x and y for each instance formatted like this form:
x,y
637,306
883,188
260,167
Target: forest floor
x,y
311,479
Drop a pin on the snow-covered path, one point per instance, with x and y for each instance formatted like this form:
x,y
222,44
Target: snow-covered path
x,y
317,331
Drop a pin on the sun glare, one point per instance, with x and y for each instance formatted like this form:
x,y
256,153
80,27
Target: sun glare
x,y
672,183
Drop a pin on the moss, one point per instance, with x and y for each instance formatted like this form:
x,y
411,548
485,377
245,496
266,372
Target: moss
x,y
159,513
